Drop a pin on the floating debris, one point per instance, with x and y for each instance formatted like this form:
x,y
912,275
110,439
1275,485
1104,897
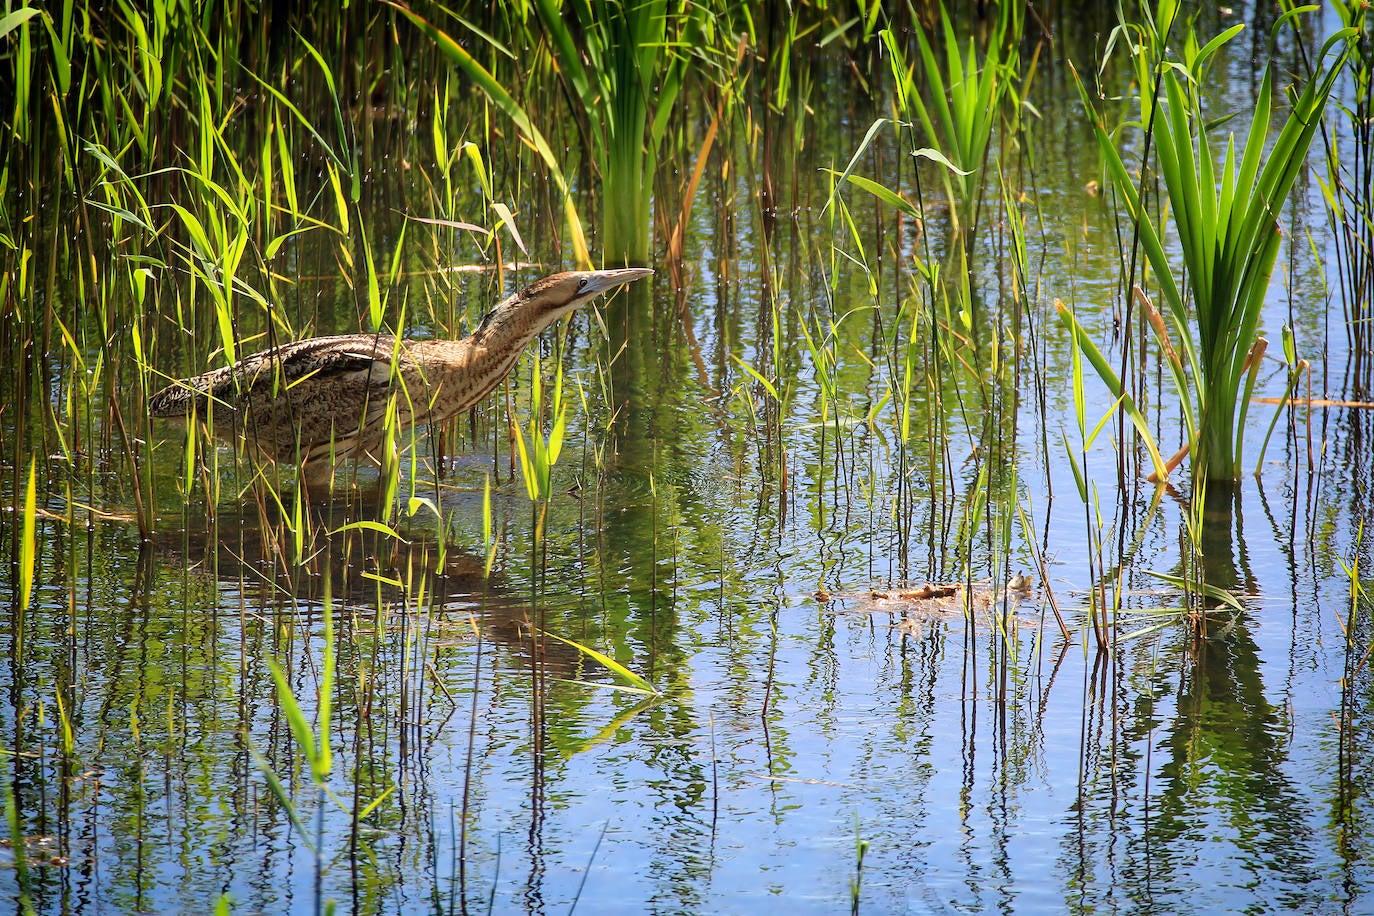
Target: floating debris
x,y
917,606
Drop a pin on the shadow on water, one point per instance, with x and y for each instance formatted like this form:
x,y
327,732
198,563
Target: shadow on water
x,y
361,569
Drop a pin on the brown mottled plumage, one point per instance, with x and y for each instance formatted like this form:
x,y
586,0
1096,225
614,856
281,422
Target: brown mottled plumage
x,y
328,396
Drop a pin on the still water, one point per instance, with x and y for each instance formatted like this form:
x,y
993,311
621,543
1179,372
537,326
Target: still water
x,y
829,731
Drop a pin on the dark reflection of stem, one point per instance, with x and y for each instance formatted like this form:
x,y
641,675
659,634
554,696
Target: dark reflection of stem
x,y
1353,789
1092,721
534,880
1224,752
968,748
630,328
466,804
21,773
1349,463
1285,541
765,720
534,894
1042,707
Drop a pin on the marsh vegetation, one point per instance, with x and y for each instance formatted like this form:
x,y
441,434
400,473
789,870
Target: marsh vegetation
x,y
970,513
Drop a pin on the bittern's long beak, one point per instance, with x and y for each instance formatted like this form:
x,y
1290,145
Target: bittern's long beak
x,y
599,281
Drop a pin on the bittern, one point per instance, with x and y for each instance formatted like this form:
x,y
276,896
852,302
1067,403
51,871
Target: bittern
x,y
325,399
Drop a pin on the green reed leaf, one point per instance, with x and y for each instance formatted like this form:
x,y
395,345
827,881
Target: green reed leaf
x,y
27,538
1108,375
633,682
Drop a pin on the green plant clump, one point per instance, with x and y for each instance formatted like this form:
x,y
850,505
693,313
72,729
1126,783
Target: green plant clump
x,y
1226,222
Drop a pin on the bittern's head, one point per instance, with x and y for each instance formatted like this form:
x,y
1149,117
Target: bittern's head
x,y
534,308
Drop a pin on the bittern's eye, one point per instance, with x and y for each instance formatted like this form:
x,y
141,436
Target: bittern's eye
x,y
583,284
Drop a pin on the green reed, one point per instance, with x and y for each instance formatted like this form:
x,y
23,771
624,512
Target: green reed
x,y
538,456
28,546
856,881
968,92
635,69
623,65
519,115
821,345
1349,175
1100,604
956,101
917,388
1226,222
315,747
1107,593
629,680
18,20
768,390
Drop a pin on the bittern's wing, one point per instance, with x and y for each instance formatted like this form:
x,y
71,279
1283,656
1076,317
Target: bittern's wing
x,y
352,361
